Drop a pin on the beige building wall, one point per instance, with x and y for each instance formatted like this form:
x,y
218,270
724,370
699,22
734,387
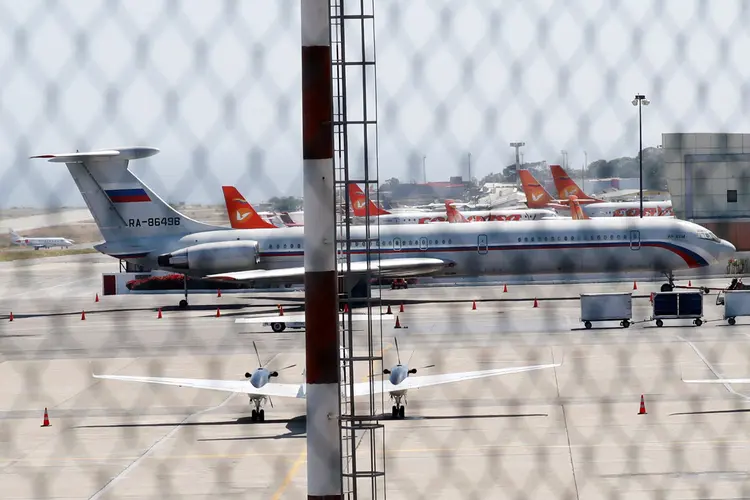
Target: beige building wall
x,y
709,182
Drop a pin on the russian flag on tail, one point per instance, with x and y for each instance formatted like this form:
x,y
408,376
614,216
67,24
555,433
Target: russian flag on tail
x,y
128,195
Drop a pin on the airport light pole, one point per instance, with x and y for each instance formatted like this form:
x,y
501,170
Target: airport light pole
x,y
424,168
640,100
518,146
583,171
565,159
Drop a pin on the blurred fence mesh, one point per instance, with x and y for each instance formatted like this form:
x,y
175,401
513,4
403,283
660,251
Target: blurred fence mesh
x,y
216,87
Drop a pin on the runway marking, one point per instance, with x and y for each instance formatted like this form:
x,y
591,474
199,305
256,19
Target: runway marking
x,y
716,373
302,458
37,290
112,482
567,431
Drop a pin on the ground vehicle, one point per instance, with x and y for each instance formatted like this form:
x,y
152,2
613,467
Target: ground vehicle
x,y
399,283
606,307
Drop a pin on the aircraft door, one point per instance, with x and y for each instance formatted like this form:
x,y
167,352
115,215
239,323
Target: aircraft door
x,y
482,244
635,240
396,244
423,243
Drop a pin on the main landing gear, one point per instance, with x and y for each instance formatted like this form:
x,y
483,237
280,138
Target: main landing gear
x,y
397,410
184,302
669,285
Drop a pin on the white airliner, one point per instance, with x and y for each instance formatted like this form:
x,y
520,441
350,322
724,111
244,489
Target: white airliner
x,y
38,243
258,388
140,227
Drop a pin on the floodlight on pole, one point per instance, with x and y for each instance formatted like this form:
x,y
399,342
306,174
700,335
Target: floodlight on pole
x,y
640,101
518,146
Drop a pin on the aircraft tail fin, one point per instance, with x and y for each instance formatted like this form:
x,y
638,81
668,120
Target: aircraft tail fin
x,y
123,207
566,186
576,212
242,215
454,215
536,195
359,201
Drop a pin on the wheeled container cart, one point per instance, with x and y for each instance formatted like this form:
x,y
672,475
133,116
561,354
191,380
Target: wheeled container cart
x,y
678,305
736,304
606,307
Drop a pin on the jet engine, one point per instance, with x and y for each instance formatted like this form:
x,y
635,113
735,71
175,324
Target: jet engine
x,y
211,258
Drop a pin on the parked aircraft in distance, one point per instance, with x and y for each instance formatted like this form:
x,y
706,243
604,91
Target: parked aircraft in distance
x,y
39,242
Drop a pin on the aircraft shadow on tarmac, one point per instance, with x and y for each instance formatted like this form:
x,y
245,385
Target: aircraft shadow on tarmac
x,y
711,412
388,417
296,425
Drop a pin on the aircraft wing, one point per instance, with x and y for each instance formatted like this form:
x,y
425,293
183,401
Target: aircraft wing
x,y
400,267
241,386
363,388
720,381
295,317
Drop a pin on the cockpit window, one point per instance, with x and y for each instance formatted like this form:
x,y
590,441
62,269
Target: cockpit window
x,y
708,235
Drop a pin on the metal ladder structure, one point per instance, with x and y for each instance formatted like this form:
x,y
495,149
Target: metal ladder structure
x,y
362,434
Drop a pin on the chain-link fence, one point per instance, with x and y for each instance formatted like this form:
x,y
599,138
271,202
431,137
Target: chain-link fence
x,y
217,87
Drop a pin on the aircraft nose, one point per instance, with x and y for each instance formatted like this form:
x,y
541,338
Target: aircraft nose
x,y
727,248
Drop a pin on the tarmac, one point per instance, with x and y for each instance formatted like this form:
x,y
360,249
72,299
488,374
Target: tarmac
x,y
569,432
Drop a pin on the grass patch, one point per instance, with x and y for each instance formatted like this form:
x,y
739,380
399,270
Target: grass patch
x,y
12,255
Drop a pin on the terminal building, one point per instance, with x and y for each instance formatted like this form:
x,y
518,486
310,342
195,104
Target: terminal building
x,y
709,182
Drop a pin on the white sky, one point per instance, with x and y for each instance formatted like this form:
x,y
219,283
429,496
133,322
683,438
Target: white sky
x,y
216,86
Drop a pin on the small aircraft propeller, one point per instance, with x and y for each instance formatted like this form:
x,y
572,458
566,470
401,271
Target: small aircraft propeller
x,y
398,353
260,363
275,373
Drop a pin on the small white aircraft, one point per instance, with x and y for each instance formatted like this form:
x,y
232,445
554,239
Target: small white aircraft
x,y
258,388
38,243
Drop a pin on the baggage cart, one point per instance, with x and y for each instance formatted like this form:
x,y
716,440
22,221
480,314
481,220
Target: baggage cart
x,y
736,304
678,305
606,307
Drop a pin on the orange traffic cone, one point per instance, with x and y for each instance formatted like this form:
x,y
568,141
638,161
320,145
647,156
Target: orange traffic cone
x,y
401,309
83,315
690,282
389,310
505,288
474,306
642,409
218,312
218,292
536,304
46,419
11,316
97,298
635,286
652,297
346,308
158,316
398,323
281,310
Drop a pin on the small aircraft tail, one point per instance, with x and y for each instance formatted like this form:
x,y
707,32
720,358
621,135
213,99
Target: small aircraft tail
x,y
359,201
536,195
123,207
567,187
242,215
454,215
576,212
287,219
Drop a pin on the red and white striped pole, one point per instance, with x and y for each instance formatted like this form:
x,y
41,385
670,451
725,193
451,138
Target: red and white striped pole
x,y
324,479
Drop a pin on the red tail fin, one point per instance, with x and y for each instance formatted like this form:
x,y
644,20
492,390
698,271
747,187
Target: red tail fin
x,y
359,201
453,214
566,187
576,212
536,195
241,214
